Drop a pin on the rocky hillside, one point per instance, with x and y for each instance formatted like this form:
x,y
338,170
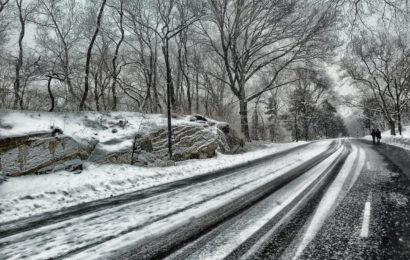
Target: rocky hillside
x,y
35,143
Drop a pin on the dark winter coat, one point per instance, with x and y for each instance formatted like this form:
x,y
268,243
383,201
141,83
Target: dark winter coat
x,y
379,134
373,133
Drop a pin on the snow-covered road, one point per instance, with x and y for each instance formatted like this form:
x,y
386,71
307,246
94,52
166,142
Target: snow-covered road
x,y
274,208
104,232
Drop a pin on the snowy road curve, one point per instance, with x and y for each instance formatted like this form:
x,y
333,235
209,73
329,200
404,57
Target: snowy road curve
x,y
272,208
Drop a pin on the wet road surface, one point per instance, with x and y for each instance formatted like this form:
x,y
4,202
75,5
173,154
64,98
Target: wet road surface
x,y
348,200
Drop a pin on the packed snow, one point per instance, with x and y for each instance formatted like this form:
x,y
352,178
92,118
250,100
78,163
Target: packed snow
x,y
247,225
136,221
35,194
334,195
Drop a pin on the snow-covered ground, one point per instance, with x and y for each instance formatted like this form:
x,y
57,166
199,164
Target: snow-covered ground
x,y
113,131
402,141
85,237
35,194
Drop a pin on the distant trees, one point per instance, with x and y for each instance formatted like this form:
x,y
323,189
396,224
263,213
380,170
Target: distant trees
x,y
372,116
381,63
329,123
24,10
4,22
304,101
253,36
89,53
210,56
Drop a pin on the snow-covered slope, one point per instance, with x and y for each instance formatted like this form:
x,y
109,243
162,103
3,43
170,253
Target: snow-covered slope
x,y
113,131
402,141
34,194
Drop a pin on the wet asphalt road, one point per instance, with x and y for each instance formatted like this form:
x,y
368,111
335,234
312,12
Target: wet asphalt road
x,y
383,187
384,184
387,188
369,218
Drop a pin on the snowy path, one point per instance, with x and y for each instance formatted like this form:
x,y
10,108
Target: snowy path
x,y
307,203
104,232
226,240
34,199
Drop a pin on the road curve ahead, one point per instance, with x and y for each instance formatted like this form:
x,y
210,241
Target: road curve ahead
x,y
338,199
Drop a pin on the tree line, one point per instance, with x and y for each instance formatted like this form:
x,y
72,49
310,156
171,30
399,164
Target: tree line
x,y
377,63
260,65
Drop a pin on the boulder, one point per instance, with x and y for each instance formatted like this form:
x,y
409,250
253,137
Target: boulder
x,y
189,142
198,118
39,153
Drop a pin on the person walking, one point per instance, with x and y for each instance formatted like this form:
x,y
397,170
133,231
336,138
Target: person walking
x,y
378,136
373,133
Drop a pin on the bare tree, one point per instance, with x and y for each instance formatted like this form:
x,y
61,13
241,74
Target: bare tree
x,y
380,63
171,25
4,21
304,100
3,4
23,12
57,34
257,35
144,51
89,54
118,44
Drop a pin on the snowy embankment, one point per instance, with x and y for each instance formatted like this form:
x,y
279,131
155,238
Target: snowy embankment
x,y
402,141
35,194
176,213
111,131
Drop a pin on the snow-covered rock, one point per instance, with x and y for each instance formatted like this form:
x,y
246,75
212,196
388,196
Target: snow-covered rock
x,y
38,153
189,142
115,138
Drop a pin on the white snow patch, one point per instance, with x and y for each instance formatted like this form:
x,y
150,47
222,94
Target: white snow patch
x,y
35,194
399,199
88,126
135,221
225,243
335,193
402,141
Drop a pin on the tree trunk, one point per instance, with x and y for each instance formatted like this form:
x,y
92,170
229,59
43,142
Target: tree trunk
x,y
19,63
154,70
399,126
306,130
89,53
255,124
50,93
114,60
296,128
165,49
392,127
96,95
197,90
243,112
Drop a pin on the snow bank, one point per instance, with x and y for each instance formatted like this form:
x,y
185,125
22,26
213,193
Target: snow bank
x,y
113,131
32,195
402,141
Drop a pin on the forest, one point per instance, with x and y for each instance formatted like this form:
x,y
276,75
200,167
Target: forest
x,y
264,66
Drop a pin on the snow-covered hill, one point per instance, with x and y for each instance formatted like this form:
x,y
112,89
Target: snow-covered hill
x,y
27,144
112,131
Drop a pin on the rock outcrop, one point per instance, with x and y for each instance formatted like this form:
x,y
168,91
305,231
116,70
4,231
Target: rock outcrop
x,y
44,152
39,153
189,142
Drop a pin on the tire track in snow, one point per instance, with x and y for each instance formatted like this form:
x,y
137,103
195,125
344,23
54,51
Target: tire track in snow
x,y
336,192
69,239
26,224
235,237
